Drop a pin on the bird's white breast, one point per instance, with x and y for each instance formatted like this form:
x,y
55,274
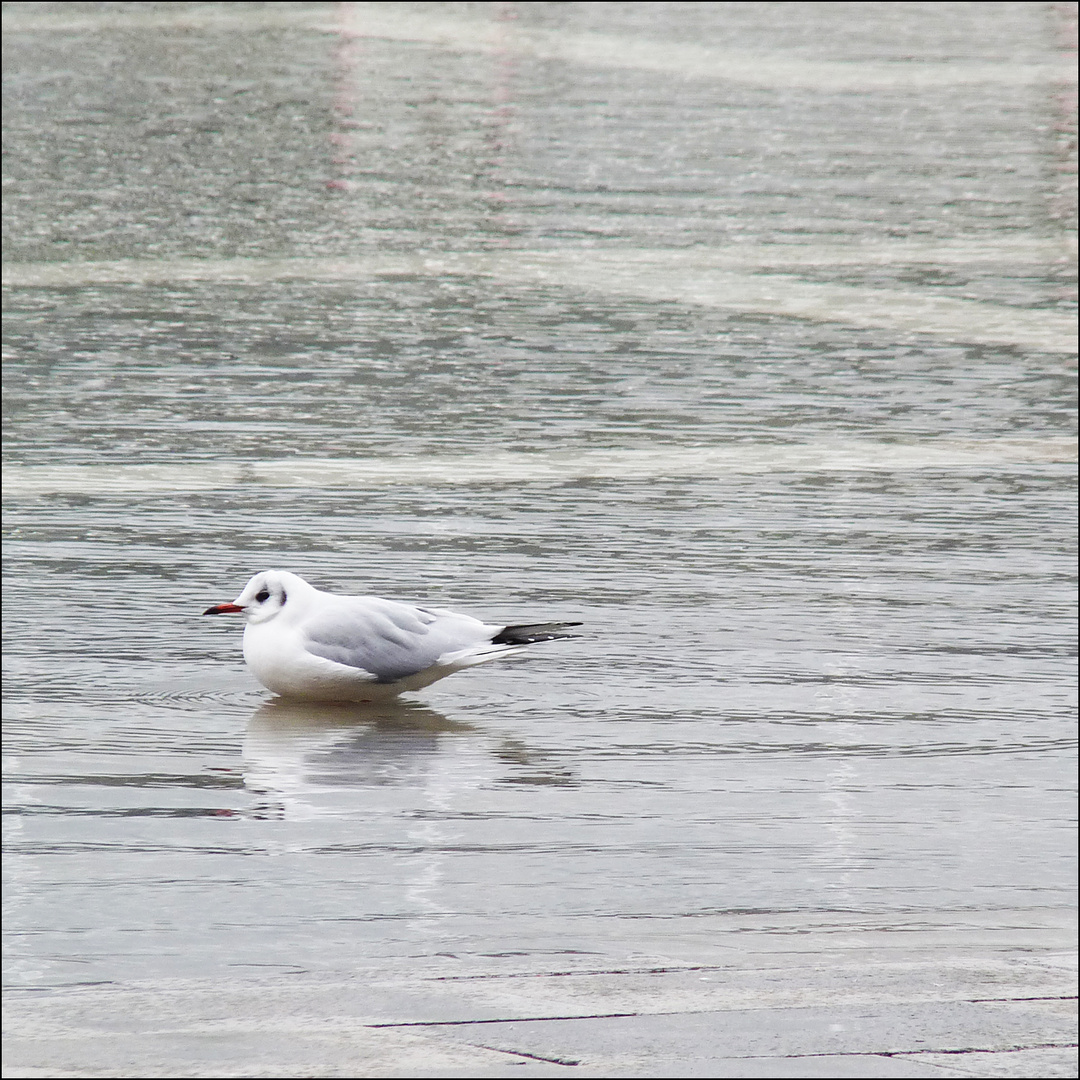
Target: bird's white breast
x,y
276,654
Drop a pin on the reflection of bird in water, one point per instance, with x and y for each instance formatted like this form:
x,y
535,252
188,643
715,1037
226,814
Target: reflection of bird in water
x,y
313,760
290,718
308,756
313,646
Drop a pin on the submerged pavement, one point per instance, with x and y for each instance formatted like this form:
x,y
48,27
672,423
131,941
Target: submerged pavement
x,y
505,295
720,995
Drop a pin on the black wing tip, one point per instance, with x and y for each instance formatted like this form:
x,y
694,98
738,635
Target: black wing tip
x,y
528,633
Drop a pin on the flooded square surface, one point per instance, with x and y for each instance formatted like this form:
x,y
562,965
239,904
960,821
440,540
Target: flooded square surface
x,y
742,333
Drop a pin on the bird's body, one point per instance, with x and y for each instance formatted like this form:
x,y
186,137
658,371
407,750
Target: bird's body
x,y
317,646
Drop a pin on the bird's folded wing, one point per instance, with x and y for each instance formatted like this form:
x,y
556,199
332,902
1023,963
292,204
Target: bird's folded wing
x,y
386,639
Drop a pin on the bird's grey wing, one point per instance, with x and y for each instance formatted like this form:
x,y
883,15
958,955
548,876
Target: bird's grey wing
x,y
386,639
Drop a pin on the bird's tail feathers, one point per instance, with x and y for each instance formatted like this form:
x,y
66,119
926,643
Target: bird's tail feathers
x,y
527,633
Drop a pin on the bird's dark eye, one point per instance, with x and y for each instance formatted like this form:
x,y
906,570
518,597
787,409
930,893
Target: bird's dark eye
x,y
262,596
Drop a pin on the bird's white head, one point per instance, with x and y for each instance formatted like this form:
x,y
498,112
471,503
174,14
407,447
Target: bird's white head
x,y
264,596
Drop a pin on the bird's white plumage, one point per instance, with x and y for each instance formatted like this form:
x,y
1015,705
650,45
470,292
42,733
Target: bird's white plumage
x,y
317,646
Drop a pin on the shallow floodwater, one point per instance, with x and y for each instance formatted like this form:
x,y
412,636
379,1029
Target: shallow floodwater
x,y
763,372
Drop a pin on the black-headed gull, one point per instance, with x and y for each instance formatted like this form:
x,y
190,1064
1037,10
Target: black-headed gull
x,y
304,643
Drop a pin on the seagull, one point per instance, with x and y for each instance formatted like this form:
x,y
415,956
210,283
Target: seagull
x,y
310,645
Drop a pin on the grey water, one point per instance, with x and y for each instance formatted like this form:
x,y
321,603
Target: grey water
x,y
400,297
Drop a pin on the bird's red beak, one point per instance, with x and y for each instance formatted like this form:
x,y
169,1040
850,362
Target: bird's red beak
x,y
223,609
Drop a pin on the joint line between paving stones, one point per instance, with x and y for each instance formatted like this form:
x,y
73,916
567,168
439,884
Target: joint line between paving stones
x,y
616,1016
588,971
531,1057
1043,997
974,1050
916,1053
509,1020
909,1053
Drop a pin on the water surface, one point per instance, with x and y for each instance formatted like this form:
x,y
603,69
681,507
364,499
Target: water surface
x,y
760,370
